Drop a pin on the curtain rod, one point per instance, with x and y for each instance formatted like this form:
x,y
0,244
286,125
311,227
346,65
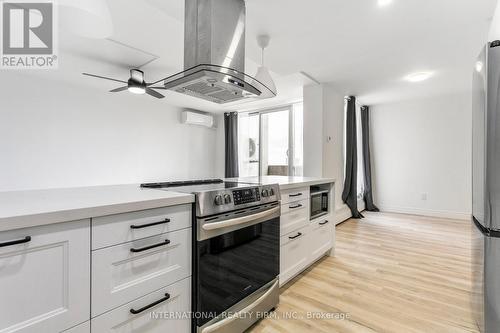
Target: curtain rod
x,y
348,98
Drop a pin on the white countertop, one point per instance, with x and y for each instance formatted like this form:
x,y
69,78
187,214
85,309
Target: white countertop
x,y
284,182
20,209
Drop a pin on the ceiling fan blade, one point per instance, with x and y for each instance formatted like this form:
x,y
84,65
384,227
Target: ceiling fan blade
x,y
153,93
103,77
119,89
158,88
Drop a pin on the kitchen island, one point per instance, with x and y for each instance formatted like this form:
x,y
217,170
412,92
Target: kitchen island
x,y
133,245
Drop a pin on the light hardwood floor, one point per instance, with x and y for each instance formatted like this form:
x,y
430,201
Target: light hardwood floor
x,y
391,273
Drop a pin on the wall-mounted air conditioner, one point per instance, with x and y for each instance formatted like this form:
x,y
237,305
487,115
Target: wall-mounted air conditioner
x,y
198,118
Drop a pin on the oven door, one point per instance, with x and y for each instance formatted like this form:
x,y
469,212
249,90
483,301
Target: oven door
x,y
236,255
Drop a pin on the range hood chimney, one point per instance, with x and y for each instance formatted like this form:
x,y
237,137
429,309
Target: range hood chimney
x,y
214,54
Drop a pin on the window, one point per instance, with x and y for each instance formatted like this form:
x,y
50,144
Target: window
x,y
271,142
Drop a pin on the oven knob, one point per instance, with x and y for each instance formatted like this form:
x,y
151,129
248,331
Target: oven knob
x,y
271,192
265,193
227,199
218,200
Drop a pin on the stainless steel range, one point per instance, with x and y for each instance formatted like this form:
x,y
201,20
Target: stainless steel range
x,y
236,229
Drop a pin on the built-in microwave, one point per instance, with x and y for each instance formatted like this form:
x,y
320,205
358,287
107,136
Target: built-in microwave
x,y
319,201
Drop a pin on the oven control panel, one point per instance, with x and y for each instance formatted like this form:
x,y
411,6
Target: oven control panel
x,y
245,196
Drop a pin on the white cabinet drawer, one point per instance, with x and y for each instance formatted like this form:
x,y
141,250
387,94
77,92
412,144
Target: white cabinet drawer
x,y
294,215
45,281
151,319
321,237
294,254
125,272
126,227
82,328
296,194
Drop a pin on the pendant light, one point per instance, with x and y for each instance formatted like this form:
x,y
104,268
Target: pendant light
x,y
263,74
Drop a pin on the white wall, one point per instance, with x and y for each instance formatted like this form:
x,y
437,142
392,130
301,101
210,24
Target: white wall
x,y
55,134
313,131
324,140
421,149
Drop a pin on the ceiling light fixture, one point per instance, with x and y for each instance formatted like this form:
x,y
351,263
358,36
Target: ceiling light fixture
x,y
137,90
418,77
383,3
263,75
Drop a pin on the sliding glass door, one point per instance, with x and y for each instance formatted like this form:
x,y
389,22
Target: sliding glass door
x,y
248,144
270,142
275,129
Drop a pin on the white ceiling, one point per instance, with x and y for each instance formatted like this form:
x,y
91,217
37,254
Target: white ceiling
x,y
362,49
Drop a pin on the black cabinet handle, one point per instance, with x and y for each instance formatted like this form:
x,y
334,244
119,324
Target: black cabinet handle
x,y
298,206
295,195
133,226
15,242
133,311
323,223
166,242
296,236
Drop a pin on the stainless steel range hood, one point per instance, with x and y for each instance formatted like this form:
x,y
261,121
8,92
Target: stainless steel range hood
x,y
214,54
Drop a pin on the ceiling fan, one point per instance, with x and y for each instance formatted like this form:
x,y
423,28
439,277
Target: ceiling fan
x,y
135,84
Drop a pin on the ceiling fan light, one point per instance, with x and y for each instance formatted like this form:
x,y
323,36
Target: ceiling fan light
x,y
137,90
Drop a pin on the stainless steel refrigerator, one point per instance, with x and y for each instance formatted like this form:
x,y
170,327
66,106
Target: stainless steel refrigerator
x,y
486,189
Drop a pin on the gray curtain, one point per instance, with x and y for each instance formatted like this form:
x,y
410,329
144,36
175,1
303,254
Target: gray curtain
x,y
365,126
349,195
231,144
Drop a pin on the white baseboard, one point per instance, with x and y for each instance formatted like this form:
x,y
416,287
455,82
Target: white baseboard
x,y
425,212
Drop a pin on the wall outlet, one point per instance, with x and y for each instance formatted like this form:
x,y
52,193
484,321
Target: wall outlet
x,y
423,196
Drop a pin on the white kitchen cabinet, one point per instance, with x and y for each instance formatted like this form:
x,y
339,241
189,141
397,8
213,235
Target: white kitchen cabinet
x,y
294,215
302,241
82,328
122,228
320,237
293,195
151,312
128,271
294,254
45,281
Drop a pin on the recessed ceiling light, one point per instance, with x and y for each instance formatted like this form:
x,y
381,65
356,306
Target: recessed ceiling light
x,y
383,3
418,77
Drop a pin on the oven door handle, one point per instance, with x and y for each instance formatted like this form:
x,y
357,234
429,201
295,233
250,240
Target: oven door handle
x,y
240,314
240,220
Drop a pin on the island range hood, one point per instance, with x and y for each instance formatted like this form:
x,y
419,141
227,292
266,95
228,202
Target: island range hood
x,y
214,54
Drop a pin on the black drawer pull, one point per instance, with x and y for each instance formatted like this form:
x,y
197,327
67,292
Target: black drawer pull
x,y
296,236
295,195
166,242
133,226
133,311
298,206
323,223
15,242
